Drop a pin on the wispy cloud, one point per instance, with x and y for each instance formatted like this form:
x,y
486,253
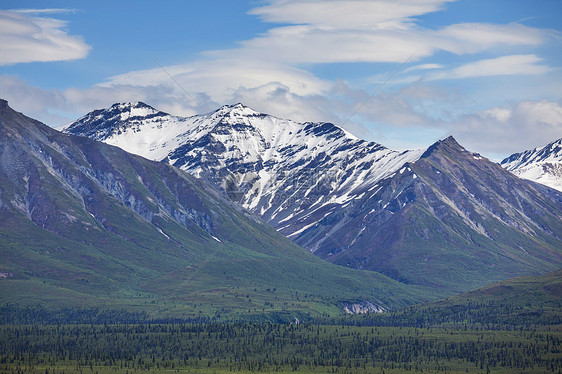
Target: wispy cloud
x,y
313,44
220,77
45,11
332,32
37,39
505,65
370,31
424,67
348,14
499,130
469,38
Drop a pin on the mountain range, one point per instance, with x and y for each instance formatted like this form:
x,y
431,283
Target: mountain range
x,y
85,224
542,165
442,217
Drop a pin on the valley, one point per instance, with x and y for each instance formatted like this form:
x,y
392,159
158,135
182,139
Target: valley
x,y
280,186
115,263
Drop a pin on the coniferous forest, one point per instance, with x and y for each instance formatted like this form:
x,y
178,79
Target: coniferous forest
x,y
510,327
435,338
266,347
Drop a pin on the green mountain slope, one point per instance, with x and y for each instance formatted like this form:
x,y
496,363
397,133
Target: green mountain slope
x,y
532,302
84,224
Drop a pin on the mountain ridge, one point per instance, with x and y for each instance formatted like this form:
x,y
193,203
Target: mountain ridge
x,y
359,204
85,224
437,208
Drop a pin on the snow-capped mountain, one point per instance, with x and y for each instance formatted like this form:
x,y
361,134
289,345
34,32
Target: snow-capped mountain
x,y
541,165
289,173
443,216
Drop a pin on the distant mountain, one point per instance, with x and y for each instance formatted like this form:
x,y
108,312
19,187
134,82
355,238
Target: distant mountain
x,y
442,217
85,224
542,165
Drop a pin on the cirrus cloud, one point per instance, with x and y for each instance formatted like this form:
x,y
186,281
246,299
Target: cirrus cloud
x,y
336,31
348,14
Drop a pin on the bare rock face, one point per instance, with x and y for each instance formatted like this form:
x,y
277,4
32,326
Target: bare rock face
x,y
363,308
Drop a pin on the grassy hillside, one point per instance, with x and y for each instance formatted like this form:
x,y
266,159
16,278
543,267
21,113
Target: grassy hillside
x,y
523,303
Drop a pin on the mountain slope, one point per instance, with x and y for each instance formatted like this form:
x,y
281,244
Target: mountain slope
x,y
86,224
515,303
443,217
523,303
542,165
450,219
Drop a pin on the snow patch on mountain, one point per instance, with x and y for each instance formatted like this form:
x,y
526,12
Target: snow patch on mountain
x,y
542,165
290,173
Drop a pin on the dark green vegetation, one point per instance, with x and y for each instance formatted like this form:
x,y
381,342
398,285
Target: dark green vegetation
x,y
519,303
515,304
86,225
510,327
246,347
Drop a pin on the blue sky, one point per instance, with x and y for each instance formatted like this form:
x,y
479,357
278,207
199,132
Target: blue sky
x,y
403,73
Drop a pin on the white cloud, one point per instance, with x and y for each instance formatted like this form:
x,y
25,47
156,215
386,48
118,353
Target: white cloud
x,y
325,32
424,67
36,39
370,31
399,117
309,44
220,78
348,14
59,107
269,73
510,129
468,38
44,11
280,100
32,101
501,115
321,44
505,65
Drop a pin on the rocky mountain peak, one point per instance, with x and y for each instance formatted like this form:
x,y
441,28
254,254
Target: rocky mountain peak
x,y
133,109
235,112
102,124
448,144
